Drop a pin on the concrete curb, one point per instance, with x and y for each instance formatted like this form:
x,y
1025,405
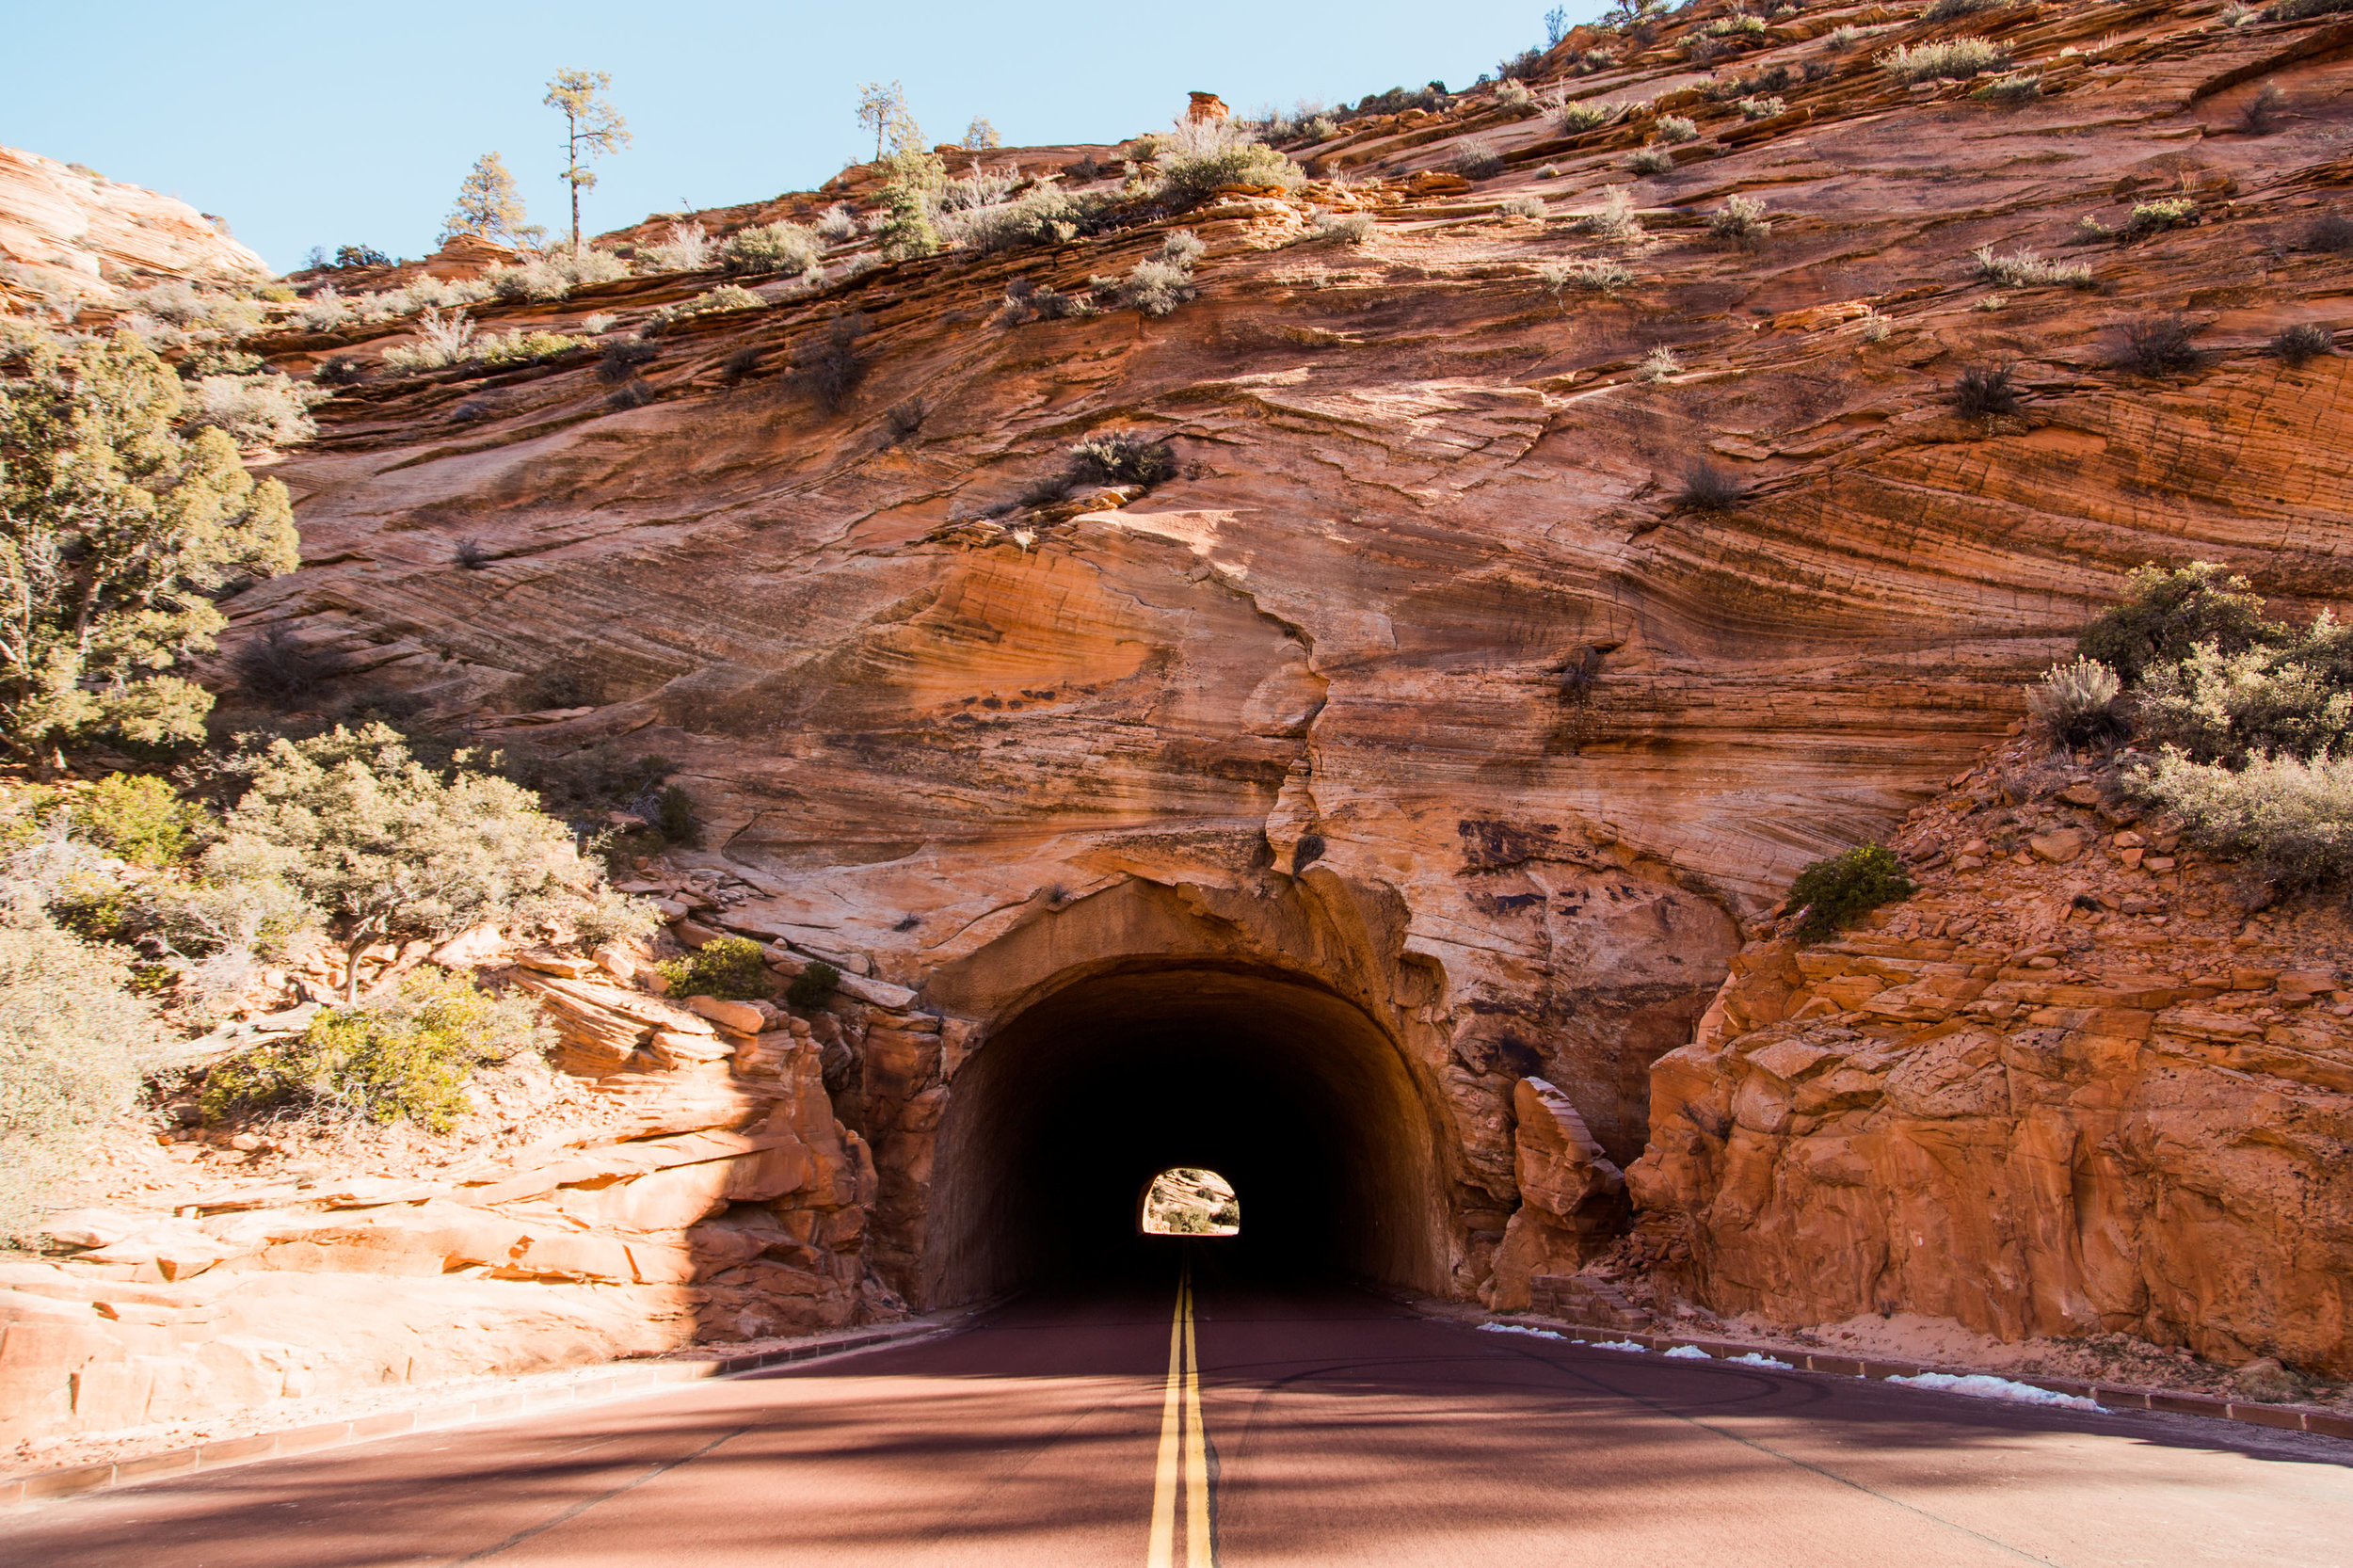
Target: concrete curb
x,y
624,1380
2282,1417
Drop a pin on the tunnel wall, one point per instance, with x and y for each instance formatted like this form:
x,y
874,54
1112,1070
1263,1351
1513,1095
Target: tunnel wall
x,y
1278,1025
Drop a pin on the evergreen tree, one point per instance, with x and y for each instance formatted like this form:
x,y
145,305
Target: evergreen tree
x,y
115,532
884,111
488,205
591,130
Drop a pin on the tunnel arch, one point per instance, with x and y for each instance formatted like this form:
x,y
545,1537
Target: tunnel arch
x,y
1113,1070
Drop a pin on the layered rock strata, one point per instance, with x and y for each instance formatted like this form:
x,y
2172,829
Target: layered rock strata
x,y
710,1207
2069,1087
89,233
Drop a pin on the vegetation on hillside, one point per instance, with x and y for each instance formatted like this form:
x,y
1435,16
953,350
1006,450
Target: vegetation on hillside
x,y
2236,723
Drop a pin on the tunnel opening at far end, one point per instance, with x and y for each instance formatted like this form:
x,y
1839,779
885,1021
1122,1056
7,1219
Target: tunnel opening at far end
x,y
1073,1105
1186,1200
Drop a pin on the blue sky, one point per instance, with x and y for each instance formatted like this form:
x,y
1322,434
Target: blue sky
x,y
332,124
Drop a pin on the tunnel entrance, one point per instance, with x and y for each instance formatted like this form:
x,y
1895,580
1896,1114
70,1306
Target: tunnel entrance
x,y
1186,1200
1072,1106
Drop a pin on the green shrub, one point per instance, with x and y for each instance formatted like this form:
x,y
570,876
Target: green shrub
x,y
1585,115
520,347
1524,206
2294,699
2290,818
676,820
1155,287
1476,161
2076,704
726,297
2027,270
1674,129
906,231
2160,346
1651,160
2305,341
1043,214
138,818
556,275
2155,217
812,986
1949,11
256,410
1597,277
74,1045
688,249
117,534
1741,220
2010,91
1202,158
2166,614
1957,58
406,1057
389,849
1836,893
733,968
1762,108
1122,457
1985,389
1340,228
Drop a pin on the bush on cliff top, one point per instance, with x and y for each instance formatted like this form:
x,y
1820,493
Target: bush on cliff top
x,y
407,1056
1201,158
733,968
1836,892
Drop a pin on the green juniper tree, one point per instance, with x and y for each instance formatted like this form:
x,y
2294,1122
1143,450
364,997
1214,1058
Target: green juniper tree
x,y
116,530
387,849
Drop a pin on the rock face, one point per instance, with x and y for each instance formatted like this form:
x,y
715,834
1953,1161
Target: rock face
x,y
63,220
1572,1198
718,1207
2045,1096
1430,683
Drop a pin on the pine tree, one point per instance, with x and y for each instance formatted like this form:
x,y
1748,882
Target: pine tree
x,y
884,111
591,130
488,205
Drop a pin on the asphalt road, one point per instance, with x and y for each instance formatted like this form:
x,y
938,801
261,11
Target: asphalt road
x,y
1299,1428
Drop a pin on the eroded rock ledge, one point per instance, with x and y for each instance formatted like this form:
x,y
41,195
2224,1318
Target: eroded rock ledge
x,y
2070,1089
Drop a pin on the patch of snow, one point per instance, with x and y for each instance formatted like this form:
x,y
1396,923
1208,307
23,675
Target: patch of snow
x,y
1688,1353
1620,1345
1514,1328
1754,1359
1984,1387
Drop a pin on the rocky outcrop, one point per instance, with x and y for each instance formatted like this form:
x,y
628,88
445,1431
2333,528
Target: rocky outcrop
x,y
1572,1197
709,1207
2069,1087
64,219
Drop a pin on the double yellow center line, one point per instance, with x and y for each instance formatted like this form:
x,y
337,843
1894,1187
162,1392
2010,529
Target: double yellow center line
x,y
1184,1449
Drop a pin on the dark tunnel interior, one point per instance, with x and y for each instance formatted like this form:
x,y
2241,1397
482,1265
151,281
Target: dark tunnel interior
x,y
1068,1110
